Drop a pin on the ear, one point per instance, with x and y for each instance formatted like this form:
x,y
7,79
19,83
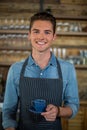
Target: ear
x,y
54,37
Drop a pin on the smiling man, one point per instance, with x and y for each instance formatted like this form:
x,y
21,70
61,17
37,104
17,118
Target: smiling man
x,y
40,76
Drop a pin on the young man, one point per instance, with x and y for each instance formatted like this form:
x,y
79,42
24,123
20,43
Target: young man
x,y
40,76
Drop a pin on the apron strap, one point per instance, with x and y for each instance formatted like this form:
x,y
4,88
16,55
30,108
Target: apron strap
x,y
59,69
23,67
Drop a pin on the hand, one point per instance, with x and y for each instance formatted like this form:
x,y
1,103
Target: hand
x,y
51,113
10,128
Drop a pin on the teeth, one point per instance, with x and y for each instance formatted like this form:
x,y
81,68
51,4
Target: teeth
x,y
41,43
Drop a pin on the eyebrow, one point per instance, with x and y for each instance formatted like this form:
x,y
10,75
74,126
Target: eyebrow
x,y
48,30
44,30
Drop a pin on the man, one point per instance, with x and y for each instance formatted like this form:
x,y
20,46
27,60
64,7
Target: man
x,y
40,76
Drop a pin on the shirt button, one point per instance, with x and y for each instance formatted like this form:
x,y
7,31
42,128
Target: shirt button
x,y
41,73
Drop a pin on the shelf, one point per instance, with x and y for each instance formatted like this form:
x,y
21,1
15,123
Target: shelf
x,y
81,67
70,17
54,45
16,48
71,33
5,64
70,46
58,33
14,31
83,103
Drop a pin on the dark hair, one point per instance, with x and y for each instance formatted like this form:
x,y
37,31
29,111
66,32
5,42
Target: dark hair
x,y
43,16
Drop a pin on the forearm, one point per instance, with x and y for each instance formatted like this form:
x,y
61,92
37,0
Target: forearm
x,y
8,122
65,112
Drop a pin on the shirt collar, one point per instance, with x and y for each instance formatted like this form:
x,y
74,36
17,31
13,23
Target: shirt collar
x,y
31,61
51,62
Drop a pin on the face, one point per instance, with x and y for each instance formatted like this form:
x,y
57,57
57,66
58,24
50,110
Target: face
x,y
41,36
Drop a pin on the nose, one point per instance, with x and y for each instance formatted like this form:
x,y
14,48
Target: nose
x,y
41,36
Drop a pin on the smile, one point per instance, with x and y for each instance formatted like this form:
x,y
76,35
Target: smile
x,y
41,43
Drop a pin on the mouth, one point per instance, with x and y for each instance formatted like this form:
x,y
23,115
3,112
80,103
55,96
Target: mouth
x,y
41,43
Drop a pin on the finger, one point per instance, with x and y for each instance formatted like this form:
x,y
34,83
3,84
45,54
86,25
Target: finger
x,y
50,118
50,111
49,107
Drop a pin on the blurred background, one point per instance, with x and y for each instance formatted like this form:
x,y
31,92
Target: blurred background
x,y
70,44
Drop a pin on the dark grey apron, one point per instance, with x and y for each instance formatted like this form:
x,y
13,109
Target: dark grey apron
x,y
39,88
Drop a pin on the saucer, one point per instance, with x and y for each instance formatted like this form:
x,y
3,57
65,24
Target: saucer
x,y
33,111
35,116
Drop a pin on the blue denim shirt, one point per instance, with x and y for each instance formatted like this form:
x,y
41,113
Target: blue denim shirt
x,y
70,87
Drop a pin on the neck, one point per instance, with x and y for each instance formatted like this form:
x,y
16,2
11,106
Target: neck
x,y
42,59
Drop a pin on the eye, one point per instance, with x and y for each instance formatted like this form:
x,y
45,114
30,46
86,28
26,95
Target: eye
x,y
47,32
35,31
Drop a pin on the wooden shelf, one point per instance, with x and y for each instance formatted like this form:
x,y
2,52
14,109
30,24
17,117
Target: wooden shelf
x,y
83,103
16,48
70,46
54,45
5,64
63,17
58,33
72,33
14,31
81,67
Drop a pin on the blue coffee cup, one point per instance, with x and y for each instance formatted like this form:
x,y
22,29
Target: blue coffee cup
x,y
39,105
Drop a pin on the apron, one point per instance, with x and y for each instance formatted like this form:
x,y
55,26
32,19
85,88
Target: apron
x,y
39,88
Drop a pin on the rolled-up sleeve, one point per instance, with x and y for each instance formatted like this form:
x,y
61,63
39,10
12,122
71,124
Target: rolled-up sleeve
x,y
10,102
71,96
